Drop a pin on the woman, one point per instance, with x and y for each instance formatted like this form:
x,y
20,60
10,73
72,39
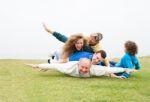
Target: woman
x,y
93,42
75,43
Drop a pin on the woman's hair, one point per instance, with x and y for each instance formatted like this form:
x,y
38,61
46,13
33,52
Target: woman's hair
x,y
69,46
131,47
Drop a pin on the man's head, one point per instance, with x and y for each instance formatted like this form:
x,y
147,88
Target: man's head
x,y
98,57
84,65
95,38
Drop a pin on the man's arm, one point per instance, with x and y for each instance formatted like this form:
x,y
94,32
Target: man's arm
x,y
53,66
97,70
66,68
57,35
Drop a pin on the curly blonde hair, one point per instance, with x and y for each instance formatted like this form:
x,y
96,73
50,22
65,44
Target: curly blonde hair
x,y
69,46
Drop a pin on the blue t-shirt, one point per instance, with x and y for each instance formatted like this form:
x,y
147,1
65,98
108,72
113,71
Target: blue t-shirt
x,y
81,54
129,61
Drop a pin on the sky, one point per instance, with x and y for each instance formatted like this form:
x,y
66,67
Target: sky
x,y
23,37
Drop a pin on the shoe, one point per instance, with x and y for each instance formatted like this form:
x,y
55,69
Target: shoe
x,y
49,61
125,75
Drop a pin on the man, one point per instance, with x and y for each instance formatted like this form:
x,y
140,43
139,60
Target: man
x,y
97,58
83,68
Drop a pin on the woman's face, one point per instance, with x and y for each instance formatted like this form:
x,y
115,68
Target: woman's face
x,y
79,44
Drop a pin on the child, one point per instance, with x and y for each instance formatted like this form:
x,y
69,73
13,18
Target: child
x,y
129,60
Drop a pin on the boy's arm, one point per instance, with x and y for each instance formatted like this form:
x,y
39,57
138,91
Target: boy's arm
x,y
60,37
137,64
47,29
126,63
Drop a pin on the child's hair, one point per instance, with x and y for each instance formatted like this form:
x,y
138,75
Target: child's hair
x,y
103,53
131,47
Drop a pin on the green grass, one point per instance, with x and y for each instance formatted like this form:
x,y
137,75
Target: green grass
x,y
19,83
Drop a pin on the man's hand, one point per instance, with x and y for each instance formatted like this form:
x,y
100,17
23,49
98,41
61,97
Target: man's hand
x,y
43,70
115,76
32,65
130,70
35,66
47,29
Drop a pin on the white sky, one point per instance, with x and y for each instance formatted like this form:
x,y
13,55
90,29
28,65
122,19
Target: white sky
x,y
22,34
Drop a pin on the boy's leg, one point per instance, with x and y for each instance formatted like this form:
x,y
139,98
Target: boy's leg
x,y
112,63
125,75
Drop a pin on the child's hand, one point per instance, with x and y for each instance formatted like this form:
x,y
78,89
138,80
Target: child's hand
x,y
47,29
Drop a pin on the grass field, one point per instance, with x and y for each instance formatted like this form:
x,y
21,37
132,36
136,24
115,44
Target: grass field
x,y
19,83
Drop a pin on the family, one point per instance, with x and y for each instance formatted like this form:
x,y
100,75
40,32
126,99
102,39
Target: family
x,y
84,57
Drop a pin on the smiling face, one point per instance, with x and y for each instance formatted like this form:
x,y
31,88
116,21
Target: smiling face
x,y
97,58
92,41
95,38
84,66
79,44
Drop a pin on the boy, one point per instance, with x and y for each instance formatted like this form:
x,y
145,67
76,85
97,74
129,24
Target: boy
x,y
129,60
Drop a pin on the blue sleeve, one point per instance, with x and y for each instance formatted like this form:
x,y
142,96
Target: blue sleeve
x,y
137,64
125,63
60,37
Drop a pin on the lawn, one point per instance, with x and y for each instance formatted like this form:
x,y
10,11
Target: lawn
x,y
20,83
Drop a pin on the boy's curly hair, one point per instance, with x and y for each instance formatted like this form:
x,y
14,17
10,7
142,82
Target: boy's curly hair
x,y
131,47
